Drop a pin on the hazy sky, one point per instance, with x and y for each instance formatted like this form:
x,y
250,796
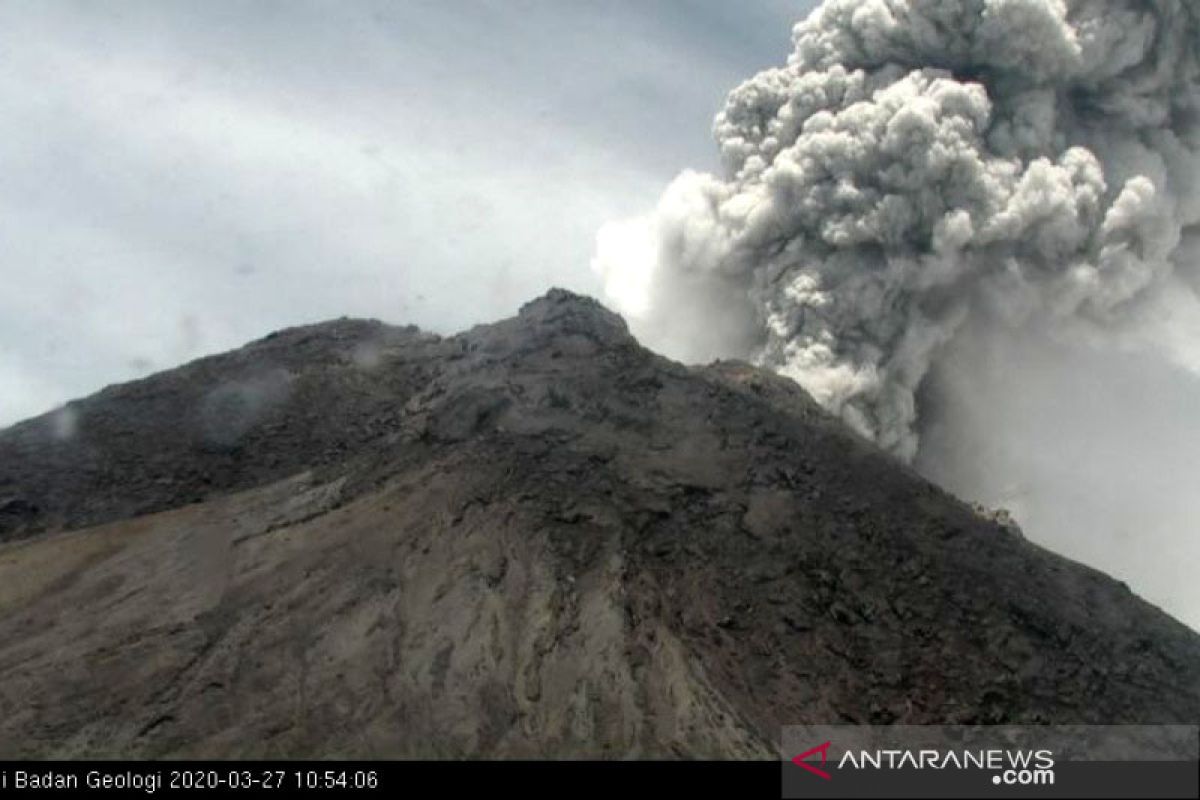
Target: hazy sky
x,y
177,178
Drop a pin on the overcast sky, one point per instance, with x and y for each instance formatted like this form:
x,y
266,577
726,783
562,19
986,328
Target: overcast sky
x,y
177,178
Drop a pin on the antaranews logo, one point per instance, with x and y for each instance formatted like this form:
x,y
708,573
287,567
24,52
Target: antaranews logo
x,y
990,761
1009,767
823,749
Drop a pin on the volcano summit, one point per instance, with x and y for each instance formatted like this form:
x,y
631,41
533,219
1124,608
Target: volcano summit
x,y
532,539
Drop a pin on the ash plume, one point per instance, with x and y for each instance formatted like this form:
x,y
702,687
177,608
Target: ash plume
x,y
924,170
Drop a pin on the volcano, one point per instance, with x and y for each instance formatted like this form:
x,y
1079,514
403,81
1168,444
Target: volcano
x,y
534,539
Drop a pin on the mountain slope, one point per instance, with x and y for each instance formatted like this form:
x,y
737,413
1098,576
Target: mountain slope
x,y
532,539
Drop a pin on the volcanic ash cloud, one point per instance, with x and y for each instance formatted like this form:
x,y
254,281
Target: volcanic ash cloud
x,y
920,168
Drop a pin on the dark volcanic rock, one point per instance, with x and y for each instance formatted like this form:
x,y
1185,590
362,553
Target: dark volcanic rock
x,y
299,399
532,539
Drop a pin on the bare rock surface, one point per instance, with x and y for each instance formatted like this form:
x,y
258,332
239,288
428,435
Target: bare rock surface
x,y
533,539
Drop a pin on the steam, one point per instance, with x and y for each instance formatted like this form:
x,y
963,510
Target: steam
x,y
235,408
919,163
942,217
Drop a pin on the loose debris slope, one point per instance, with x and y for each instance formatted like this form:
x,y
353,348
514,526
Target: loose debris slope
x,y
533,539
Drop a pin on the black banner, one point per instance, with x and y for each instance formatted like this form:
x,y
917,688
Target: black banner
x,y
523,779
567,779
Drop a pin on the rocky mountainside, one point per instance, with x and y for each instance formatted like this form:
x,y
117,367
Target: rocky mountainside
x,y
533,539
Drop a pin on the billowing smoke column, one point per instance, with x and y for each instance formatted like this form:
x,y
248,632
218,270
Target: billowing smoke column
x,y
919,164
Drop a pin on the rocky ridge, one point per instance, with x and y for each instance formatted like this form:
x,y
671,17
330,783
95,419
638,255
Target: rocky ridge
x,y
532,539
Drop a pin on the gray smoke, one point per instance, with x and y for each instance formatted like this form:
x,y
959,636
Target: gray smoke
x,y
921,166
972,229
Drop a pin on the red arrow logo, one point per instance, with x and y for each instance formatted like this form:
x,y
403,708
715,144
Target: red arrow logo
x,y
823,749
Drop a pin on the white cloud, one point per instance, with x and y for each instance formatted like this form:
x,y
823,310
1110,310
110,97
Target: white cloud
x,y
180,178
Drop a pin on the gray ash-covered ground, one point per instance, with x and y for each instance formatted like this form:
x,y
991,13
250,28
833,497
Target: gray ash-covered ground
x,y
532,539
